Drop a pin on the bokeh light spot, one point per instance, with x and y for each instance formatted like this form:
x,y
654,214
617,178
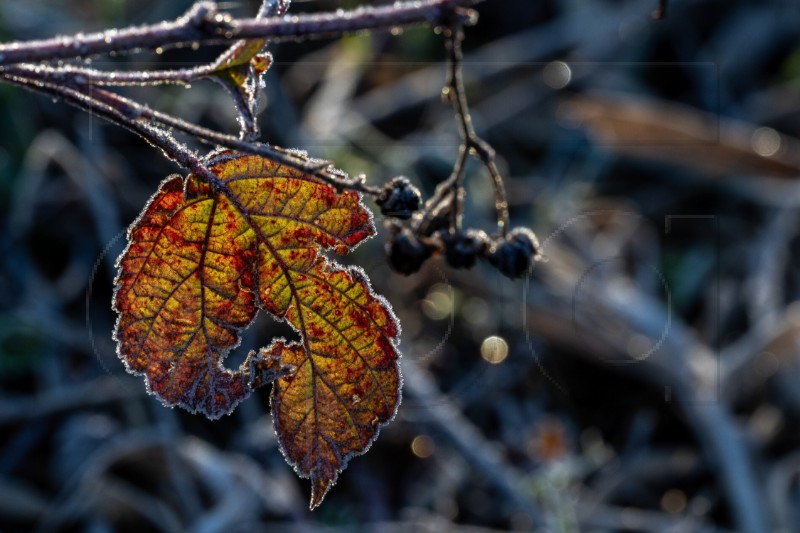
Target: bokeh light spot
x,y
494,350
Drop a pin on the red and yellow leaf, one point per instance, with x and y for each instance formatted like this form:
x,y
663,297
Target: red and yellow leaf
x,y
200,264
346,382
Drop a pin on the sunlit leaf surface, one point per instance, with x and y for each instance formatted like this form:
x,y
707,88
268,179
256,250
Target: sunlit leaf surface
x,y
200,264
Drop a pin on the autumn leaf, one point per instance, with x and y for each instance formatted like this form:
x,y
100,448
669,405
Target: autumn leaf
x,y
346,382
202,261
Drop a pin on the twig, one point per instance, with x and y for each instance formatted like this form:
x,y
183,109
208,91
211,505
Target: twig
x,y
91,76
128,113
471,144
184,76
204,24
99,392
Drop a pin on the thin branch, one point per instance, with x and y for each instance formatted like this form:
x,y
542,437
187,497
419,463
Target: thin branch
x,y
90,76
129,113
184,76
471,144
454,92
204,24
122,117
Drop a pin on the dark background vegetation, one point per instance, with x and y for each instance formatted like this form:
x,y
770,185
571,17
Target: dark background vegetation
x,y
660,176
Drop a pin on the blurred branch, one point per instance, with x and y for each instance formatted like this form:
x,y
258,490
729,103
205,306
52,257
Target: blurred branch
x,y
781,487
767,342
628,518
466,439
660,12
85,489
767,265
681,364
101,391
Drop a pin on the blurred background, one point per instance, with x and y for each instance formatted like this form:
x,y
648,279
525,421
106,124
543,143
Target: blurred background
x,y
645,377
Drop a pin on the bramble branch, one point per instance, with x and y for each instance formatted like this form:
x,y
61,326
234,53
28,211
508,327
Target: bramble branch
x,y
240,68
24,64
128,114
204,24
155,136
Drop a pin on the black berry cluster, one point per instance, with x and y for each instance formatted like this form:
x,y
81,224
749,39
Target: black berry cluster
x,y
512,255
431,233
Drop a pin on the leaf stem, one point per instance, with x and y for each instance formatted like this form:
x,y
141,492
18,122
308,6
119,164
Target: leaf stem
x,y
97,77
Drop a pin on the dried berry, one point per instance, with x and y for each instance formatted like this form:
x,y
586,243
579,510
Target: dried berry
x,y
462,249
399,198
515,254
406,252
